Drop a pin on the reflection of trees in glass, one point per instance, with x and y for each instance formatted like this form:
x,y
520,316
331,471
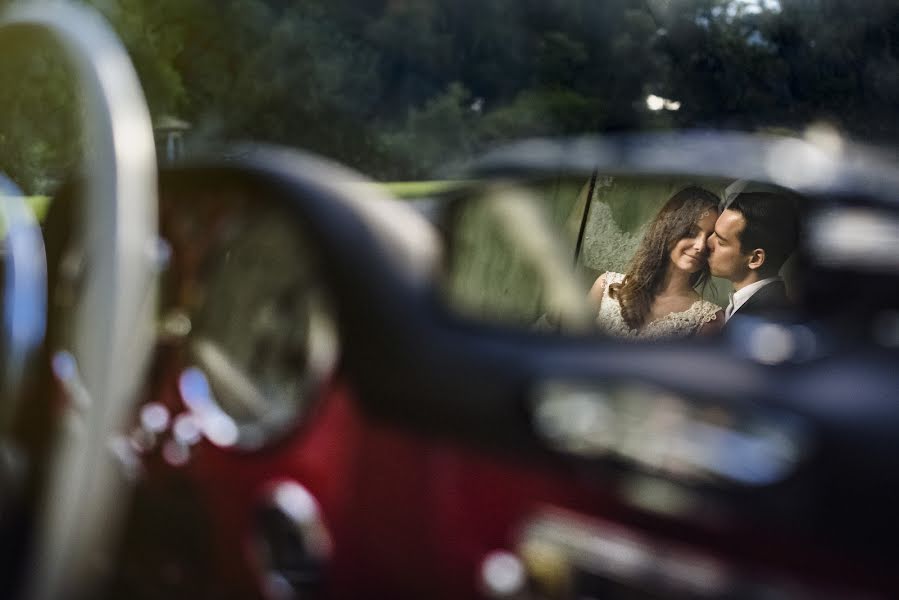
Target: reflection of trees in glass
x,y
617,220
606,246
255,315
490,277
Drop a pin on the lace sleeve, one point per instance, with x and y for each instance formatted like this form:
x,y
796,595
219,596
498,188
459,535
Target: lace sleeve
x,y
712,319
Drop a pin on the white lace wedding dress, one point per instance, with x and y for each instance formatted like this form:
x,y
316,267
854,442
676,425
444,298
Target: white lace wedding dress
x,y
673,325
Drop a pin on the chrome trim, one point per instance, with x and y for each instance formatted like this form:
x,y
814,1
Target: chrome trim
x,y
114,322
300,571
24,294
803,164
565,552
863,238
664,433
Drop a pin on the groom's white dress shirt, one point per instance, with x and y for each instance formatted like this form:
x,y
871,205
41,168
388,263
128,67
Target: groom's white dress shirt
x,y
739,298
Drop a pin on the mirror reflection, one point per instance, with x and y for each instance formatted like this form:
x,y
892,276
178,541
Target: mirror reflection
x,y
244,305
635,258
242,314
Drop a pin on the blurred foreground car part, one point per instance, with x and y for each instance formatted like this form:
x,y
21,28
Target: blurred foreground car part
x,y
438,455
443,455
776,435
285,273
82,487
24,299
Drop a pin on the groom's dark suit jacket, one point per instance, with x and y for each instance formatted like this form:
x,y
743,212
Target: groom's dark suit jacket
x,y
770,300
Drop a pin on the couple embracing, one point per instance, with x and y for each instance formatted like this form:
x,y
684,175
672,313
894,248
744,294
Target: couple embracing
x,y
689,239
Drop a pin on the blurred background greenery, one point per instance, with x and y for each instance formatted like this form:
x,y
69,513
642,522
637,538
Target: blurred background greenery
x,y
403,89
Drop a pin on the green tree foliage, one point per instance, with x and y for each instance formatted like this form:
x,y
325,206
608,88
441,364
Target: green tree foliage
x,y
403,88
39,113
803,61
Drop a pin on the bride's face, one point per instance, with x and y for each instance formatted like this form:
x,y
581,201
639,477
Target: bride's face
x,y
691,253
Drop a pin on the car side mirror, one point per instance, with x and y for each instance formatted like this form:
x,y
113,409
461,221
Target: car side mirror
x,y
244,306
277,264
528,251
760,418
287,284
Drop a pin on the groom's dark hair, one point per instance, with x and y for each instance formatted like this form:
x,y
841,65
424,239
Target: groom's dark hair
x,y
772,223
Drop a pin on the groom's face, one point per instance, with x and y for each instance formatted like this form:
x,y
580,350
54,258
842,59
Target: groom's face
x,y
726,258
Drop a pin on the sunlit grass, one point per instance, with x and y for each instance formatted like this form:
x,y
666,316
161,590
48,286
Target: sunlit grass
x,y
38,205
421,189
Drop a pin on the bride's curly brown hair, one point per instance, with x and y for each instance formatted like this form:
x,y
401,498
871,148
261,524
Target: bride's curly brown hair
x,y
646,273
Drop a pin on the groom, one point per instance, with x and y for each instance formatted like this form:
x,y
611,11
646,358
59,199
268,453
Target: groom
x,y
753,237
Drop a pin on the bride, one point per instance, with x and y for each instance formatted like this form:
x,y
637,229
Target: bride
x,y
657,297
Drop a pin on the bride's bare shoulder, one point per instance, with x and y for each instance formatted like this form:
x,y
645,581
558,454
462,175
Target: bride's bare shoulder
x,y
599,286
597,291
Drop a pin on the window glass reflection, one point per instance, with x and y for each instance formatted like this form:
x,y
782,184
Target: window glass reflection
x,y
633,258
